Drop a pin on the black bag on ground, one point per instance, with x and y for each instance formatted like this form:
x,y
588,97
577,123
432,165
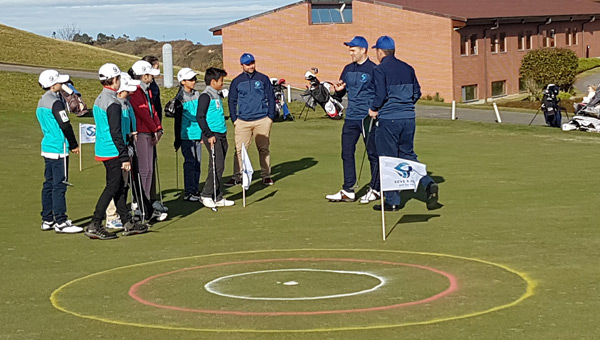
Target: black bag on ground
x,y
173,105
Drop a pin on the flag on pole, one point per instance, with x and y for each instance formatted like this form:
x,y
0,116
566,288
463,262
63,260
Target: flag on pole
x,y
247,170
87,133
400,174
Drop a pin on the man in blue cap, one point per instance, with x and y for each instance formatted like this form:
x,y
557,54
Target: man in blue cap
x,y
252,110
357,81
396,92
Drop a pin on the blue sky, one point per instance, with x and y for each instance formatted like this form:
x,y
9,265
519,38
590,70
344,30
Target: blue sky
x,y
159,20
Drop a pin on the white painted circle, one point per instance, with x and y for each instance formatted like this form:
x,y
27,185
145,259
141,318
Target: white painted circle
x,y
211,286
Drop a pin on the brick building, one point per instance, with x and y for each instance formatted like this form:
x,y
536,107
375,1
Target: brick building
x,y
465,50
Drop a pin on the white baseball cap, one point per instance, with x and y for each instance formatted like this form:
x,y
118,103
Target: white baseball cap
x,y
142,67
51,77
186,73
128,84
108,71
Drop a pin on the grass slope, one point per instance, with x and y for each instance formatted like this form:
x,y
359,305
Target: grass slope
x,y
20,47
519,196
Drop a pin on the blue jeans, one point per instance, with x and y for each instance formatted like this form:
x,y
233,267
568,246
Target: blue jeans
x,y
395,138
54,204
192,155
351,132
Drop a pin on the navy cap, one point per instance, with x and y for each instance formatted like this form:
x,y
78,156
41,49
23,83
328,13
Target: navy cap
x,y
246,59
358,41
385,43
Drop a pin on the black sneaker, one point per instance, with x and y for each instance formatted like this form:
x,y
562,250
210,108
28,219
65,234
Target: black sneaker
x,y
268,181
97,232
432,197
232,182
132,228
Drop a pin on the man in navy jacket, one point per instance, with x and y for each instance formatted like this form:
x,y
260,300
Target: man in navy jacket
x,y
357,81
396,92
252,110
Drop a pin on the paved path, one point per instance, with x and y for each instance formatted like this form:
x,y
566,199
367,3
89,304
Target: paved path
x,y
441,112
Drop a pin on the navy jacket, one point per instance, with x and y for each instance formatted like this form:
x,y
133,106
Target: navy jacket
x,y
251,97
396,89
360,88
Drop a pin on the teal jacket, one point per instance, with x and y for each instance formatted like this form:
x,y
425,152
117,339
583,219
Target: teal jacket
x,y
109,136
186,123
55,125
127,118
211,116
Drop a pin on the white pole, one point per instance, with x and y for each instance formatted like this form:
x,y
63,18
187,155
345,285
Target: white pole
x,y
80,148
381,192
289,96
244,195
498,119
453,110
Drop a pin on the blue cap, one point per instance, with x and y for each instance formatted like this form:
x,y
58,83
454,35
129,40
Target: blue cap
x,y
358,41
246,59
385,43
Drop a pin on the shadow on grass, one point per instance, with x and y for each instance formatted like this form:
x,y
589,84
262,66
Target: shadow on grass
x,y
420,195
412,218
278,172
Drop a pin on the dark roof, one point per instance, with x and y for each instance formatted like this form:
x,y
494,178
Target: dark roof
x,y
486,9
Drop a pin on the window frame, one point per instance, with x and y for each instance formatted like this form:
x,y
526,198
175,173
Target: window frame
x,y
463,91
503,83
319,8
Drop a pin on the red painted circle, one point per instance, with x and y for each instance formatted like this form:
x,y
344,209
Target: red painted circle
x,y
452,288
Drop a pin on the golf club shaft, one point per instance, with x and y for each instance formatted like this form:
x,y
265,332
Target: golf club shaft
x,y
177,173
362,163
66,180
157,176
214,171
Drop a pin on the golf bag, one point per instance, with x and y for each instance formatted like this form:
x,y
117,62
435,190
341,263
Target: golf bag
x,y
320,93
550,106
174,104
582,123
281,108
72,97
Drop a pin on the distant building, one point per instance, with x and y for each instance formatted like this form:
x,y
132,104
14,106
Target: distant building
x,y
465,50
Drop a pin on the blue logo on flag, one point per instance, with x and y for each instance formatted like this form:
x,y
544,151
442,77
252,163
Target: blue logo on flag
x,y
90,131
403,170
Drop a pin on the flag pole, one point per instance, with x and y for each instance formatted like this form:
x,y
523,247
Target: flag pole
x,y
382,204
244,195
80,148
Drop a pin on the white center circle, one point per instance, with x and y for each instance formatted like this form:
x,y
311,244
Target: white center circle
x,y
211,287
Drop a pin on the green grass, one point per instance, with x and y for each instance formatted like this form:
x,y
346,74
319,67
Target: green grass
x,y
517,196
55,53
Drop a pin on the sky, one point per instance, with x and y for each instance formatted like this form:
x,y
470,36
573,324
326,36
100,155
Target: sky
x,y
158,20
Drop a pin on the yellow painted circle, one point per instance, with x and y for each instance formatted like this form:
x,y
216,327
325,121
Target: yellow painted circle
x,y
531,284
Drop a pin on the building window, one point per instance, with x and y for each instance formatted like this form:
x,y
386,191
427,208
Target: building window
x,y
502,42
498,88
528,40
331,14
548,38
574,36
473,44
522,85
463,44
521,41
568,37
494,43
469,93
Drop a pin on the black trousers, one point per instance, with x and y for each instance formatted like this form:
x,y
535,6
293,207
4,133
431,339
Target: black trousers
x,y
211,182
115,189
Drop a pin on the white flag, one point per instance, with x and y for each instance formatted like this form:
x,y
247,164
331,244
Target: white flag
x,y
247,170
400,174
87,133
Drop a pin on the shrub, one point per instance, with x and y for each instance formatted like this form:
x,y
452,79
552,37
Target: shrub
x,y
587,64
564,95
435,98
550,66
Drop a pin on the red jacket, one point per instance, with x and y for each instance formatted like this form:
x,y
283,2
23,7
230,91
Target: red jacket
x,y
147,121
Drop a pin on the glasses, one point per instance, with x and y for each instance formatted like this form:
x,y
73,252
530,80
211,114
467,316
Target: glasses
x,y
193,79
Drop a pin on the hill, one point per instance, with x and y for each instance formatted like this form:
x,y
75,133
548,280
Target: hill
x,y
185,53
16,47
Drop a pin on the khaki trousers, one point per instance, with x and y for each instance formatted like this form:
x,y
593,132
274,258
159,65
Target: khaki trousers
x,y
244,131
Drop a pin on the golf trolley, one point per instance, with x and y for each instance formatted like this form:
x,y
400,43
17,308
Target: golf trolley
x,y
281,108
550,107
320,93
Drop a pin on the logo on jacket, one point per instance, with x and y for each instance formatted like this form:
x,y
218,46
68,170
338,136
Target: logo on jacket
x,y
403,170
218,104
364,78
257,84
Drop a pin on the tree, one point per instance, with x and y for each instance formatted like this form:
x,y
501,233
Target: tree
x,y
550,66
103,38
67,32
83,38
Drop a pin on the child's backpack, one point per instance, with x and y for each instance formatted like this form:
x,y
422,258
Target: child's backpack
x,y
173,105
73,100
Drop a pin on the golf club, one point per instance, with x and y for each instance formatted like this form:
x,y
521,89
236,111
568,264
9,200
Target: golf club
x,y
66,180
158,177
214,171
362,163
177,193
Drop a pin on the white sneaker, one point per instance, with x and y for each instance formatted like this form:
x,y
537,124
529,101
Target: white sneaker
x,y
67,228
207,202
157,205
114,224
342,196
47,225
371,195
224,203
159,215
